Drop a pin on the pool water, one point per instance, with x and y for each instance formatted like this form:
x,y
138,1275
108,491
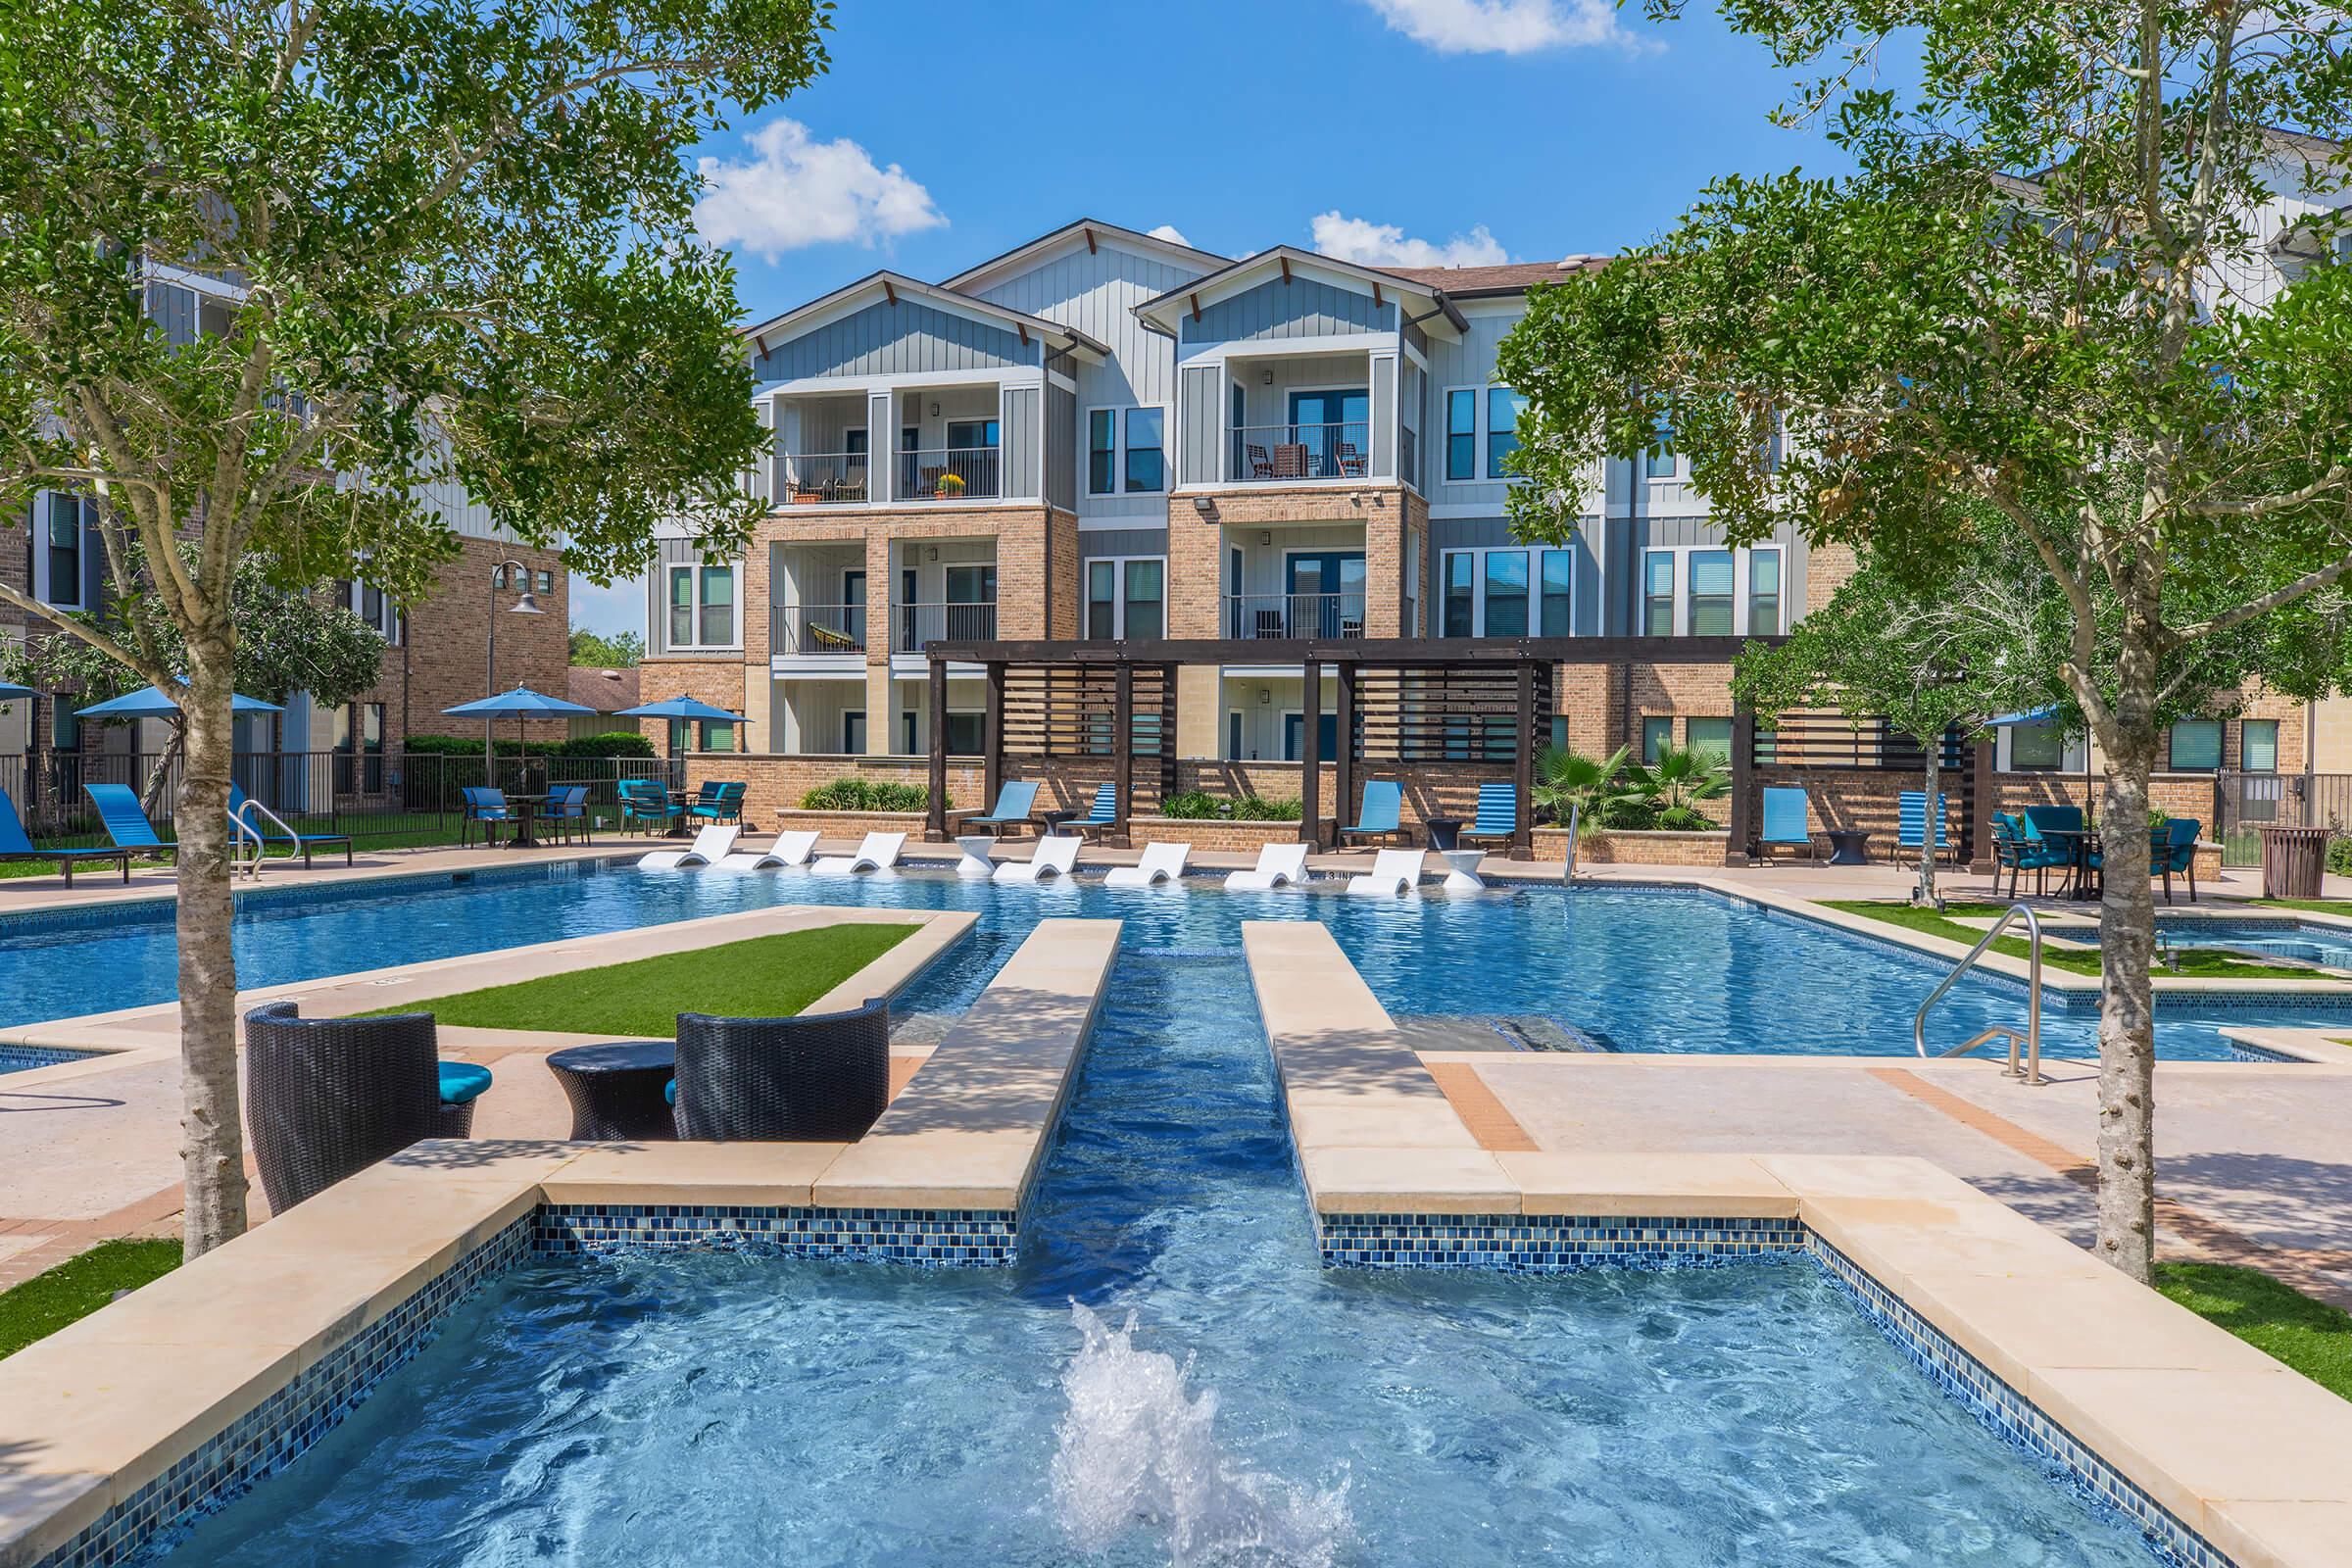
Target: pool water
x,y
721,1409
2304,941
1632,969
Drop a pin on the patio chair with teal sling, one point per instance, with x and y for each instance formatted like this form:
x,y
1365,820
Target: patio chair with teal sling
x,y
567,809
1014,801
1787,821
485,806
2064,845
2173,847
17,845
646,800
119,812
1102,816
1382,812
719,803
1497,813
270,833
1911,820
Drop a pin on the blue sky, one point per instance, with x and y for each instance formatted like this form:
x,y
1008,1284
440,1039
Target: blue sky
x,y
1406,131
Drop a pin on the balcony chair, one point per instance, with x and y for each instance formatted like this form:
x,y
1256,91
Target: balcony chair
x,y
1260,466
17,845
1383,809
1787,822
1350,461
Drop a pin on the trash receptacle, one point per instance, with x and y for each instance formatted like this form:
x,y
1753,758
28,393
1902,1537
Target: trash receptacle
x,y
2292,858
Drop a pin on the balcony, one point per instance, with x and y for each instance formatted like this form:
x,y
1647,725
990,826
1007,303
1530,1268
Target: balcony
x,y
1287,453
1268,617
816,630
915,626
950,474
822,479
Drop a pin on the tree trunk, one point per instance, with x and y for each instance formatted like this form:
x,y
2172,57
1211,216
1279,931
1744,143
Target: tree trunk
x,y
213,1152
2126,1003
1924,893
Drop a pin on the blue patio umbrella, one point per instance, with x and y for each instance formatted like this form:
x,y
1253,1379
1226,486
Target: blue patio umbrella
x,y
9,690
682,707
523,703
156,703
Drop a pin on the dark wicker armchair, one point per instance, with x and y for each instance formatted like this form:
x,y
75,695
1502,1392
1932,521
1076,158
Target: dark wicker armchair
x,y
329,1097
817,1078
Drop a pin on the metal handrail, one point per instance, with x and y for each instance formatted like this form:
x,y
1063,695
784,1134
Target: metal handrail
x,y
1576,811
242,831
2031,1072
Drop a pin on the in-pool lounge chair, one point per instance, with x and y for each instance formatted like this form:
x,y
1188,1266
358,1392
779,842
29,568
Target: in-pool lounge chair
x,y
1787,821
710,846
270,833
124,822
17,845
1014,801
1279,865
1911,821
789,850
1056,856
1497,813
876,852
1384,806
1104,816
1161,862
1394,874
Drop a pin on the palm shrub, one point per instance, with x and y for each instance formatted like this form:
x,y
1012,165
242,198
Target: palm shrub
x,y
1677,781
1593,787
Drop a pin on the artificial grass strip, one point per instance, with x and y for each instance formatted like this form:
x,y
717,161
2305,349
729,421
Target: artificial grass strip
x,y
2196,963
2306,1334
79,1286
764,977
2342,907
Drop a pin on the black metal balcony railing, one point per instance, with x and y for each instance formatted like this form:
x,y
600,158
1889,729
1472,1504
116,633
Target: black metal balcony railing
x,y
917,625
1280,454
820,478
816,629
948,473
1262,616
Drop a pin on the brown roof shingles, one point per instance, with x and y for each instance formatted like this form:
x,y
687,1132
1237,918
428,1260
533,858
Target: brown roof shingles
x,y
608,691
1510,278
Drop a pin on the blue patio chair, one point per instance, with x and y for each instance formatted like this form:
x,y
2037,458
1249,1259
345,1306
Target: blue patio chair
x,y
2018,849
1105,814
1911,820
1787,821
485,806
1497,813
2059,833
1383,810
2173,847
567,809
1014,801
646,800
17,845
271,833
120,813
719,803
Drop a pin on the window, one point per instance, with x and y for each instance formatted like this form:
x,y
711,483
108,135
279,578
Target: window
x,y
63,517
1710,593
679,746
1461,434
702,606
1560,604
546,580
1503,408
2258,745
1147,469
1101,451
1126,450
1146,596
852,732
971,435
1657,734
719,737
1657,594
2036,748
1126,596
1660,461
1461,607
2196,745
1505,599
368,602
1490,592
1712,735
1763,593
967,734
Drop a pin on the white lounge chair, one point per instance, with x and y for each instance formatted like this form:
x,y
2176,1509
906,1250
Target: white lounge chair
x,y
1161,862
1394,874
1279,865
710,846
1056,856
790,848
878,852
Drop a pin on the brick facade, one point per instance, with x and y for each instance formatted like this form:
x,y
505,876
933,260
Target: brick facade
x,y
1198,541
443,661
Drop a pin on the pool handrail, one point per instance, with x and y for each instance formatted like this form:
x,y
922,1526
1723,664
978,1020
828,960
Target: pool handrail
x,y
2032,1038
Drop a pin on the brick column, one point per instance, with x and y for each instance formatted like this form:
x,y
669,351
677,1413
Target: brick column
x,y
881,716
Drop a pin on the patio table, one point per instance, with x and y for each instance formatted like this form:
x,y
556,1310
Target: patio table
x,y
975,861
1445,832
2081,847
617,1091
1461,874
1850,845
528,807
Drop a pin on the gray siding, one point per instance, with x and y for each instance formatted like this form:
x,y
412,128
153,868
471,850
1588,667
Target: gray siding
x,y
908,338
1199,421
1592,593
1095,542
1384,417
1019,435
1469,362
1300,308
1061,448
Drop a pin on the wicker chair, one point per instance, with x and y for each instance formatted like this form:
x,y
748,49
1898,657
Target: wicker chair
x,y
817,1078
327,1098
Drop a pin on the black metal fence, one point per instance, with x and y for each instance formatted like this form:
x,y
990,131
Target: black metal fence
x,y
382,799
2246,803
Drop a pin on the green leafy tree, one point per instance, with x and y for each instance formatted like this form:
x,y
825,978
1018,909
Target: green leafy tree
x,y
596,650
432,243
2024,298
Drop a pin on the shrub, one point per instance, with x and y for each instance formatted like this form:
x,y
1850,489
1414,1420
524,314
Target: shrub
x,y
613,743
2340,857
1193,806
1250,809
1629,815
863,794
1682,819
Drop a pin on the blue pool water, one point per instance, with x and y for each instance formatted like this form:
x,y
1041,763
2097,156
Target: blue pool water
x,y
718,1409
2304,941
1637,969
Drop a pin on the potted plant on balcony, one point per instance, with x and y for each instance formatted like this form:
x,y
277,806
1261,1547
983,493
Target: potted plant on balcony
x,y
950,484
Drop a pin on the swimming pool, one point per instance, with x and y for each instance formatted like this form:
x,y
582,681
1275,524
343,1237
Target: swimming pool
x,y
719,1409
2303,941
1634,968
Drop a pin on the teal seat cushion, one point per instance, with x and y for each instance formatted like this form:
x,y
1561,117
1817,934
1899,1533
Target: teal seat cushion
x,y
461,1081
669,1091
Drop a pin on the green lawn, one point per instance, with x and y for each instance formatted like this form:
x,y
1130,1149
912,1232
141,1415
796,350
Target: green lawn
x,y
79,1286
765,977
2310,1336
2315,905
2196,963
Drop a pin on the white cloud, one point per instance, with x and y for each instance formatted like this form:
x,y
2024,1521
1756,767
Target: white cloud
x,y
795,190
1502,27
1358,239
1169,232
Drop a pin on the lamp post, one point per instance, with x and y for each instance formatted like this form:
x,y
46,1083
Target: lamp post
x,y
524,606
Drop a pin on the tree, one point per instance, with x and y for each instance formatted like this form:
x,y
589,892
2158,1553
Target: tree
x,y
2026,298
595,650
428,243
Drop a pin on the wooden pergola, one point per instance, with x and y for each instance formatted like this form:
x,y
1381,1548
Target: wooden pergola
x,y
1456,682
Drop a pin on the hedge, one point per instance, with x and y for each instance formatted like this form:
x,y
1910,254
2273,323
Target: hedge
x,y
1200,806
613,743
864,795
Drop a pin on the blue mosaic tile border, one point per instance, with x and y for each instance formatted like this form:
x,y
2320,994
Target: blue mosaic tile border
x,y
2012,1415
926,1238
23,1059
1545,1242
279,1430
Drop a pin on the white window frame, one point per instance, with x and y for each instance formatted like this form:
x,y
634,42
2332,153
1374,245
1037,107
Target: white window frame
x,y
1740,586
669,571
1486,433
388,625
85,507
1118,601
1535,554
1118,413
1480,395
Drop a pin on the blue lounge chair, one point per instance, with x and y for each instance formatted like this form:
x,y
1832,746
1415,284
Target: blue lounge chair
x,y
1383,809
2173,847
1787,821
484,806
1014,801
1497,813
719,803
1911,820
120,813
271,833
17,845
1103,815
567,807
646,800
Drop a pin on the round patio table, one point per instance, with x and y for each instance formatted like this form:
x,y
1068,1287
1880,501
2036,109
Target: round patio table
x,y
529,808
976,848
1053,819
1445,832
1850,845
617,1091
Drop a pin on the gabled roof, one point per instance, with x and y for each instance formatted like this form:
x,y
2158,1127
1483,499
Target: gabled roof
x,y
608,691
1093,229
1165,311
893,286
1482,282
